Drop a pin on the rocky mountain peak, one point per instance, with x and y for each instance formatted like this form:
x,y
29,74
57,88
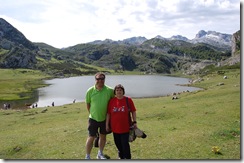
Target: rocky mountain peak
x,y
200,34
8,32
20,52
134,40
160,37
179,37
213,35
213,38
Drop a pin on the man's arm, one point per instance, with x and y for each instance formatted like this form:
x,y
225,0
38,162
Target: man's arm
x,y
88,105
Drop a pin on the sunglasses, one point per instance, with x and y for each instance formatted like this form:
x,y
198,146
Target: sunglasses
x,y
99,78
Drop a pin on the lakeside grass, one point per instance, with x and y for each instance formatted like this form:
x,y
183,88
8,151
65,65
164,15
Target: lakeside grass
x,y
18,84
186,128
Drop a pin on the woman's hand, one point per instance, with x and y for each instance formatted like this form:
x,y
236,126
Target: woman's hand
x,y
108,129
134,124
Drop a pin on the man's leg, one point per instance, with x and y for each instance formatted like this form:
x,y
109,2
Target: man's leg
x,y
101,142
89,145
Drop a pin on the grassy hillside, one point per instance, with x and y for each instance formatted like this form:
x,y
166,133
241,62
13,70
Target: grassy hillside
x,y
186,128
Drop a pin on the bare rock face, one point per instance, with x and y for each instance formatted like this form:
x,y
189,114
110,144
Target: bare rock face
x,y
8,32
235,50
19,52
236,43
217,39
19,58
234,59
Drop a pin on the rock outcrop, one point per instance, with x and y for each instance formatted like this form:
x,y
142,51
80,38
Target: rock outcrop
x,y
236,43
17,50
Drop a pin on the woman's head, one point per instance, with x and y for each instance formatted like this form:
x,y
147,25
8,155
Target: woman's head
x,y
118,88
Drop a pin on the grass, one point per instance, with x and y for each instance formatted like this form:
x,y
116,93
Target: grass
x,y
17,84
183,129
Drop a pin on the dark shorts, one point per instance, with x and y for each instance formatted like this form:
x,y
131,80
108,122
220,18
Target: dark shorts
x,y
95,127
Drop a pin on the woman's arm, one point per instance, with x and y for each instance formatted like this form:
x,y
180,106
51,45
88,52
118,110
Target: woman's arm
x,y
108,123
134,122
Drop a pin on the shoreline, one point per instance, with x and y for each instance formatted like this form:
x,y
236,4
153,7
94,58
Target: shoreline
x,y
22,108
21,104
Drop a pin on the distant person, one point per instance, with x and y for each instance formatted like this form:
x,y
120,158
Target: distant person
x,y
52,103
119,117
36,105
5,106
74,100
97,98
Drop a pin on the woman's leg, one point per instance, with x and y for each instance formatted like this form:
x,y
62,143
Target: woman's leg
x,y
118,143
125,146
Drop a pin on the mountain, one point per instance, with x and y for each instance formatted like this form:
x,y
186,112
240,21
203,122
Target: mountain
x,y
160,37
236,43
10,34
156,55
106,41
134,40
217,39
213,38
16,50
129,41
179,37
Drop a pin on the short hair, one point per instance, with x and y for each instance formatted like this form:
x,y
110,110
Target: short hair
x,y
100,73
119,86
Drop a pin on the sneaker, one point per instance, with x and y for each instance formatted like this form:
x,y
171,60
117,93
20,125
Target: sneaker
x,y
87,157
101,156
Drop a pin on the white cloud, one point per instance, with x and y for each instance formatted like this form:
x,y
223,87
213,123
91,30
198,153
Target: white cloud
x,y
63,23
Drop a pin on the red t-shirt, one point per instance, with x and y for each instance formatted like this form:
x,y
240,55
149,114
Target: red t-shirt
x,y
118,110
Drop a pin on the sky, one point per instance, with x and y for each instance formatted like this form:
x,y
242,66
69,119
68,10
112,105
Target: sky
x,y
64,23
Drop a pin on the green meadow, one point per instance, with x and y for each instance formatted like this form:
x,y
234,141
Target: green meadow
x,y
17,84
188,128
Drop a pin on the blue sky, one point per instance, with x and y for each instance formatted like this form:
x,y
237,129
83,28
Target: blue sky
x,y
63,23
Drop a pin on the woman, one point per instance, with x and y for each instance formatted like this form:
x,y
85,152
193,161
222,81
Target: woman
x,y
118,121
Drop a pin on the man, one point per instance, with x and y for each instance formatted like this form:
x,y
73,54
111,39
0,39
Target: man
x,y
97,98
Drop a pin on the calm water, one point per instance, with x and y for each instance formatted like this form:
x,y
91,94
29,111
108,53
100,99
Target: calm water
x,y
66,90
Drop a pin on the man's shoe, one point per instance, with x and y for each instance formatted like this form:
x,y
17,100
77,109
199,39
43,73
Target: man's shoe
x,y
87,158
101,156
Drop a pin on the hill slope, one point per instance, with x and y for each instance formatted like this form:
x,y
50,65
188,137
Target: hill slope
x,y
156,55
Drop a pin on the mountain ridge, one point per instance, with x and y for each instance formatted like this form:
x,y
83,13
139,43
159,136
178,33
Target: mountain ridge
x,y
156,55
209,37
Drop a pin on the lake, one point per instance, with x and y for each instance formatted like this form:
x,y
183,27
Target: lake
x,y
65,90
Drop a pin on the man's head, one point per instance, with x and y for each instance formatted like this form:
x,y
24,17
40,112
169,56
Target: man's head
x,y
100,79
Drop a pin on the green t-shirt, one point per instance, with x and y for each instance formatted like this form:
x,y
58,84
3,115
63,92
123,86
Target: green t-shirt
x,y
98,101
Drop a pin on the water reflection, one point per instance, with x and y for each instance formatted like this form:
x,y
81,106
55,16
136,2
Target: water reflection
x,y
22,104
70,90
64,91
